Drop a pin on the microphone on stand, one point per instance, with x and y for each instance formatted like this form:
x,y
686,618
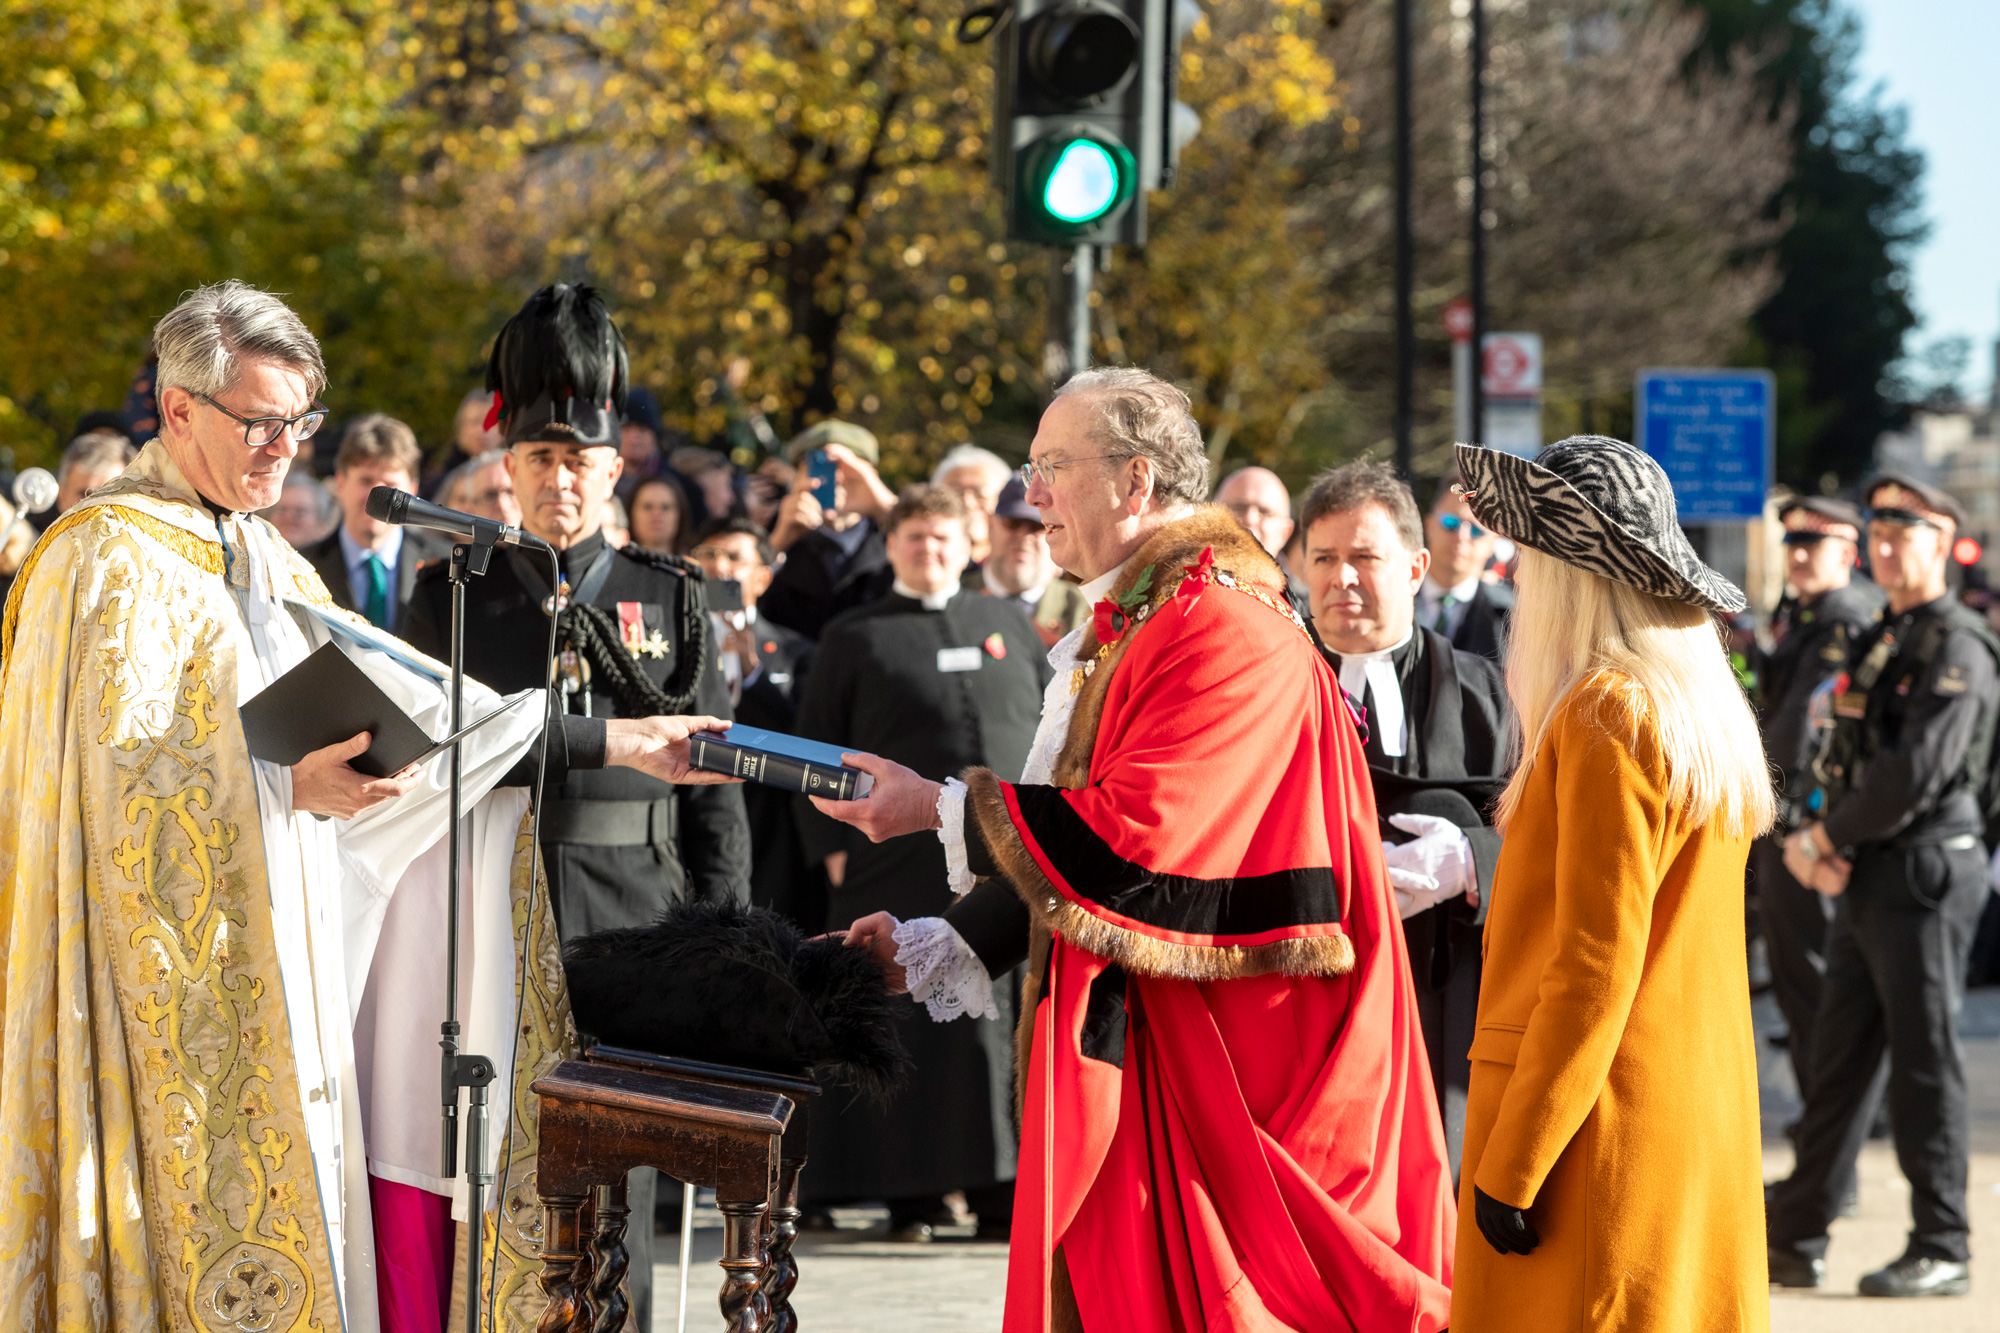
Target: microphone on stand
x,y
386,504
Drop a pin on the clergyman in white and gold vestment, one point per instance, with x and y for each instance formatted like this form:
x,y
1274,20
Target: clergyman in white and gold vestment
x,y
186,931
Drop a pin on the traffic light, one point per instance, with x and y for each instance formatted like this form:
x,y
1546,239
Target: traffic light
x,y
1085,120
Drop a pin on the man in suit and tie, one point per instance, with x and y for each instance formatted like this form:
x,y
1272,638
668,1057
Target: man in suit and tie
x,y
370,566
1456,600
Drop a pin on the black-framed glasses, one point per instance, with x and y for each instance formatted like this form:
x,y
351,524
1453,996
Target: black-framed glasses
x,y
1452,523
1046,468
260,431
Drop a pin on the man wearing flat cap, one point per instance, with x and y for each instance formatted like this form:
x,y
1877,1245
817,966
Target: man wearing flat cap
x,y
1893,838
1826,610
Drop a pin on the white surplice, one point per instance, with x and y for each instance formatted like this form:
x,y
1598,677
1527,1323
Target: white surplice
x,y
333,884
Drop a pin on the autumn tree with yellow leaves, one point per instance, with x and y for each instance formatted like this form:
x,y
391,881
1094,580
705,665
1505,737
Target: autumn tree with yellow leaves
x,y
805,183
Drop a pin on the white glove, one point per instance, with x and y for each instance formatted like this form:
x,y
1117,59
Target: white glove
x,y
1435,868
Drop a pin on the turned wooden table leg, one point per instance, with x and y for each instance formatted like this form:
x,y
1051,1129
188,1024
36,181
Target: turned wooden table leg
x,y
607,1288
564,1272
781,1269
743,1306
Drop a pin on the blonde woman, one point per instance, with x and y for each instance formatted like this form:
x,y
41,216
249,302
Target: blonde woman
x,y
1612,1174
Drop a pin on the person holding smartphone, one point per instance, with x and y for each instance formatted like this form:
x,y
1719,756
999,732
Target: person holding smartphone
x,y
835,555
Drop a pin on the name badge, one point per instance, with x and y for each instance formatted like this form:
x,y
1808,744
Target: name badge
x,y
958,659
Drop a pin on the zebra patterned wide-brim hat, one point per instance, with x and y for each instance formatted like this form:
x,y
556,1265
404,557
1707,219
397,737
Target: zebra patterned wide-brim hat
x,y
1599,504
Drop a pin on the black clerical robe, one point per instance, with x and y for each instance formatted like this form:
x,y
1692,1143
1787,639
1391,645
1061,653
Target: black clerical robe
x,y
1453,765
939,691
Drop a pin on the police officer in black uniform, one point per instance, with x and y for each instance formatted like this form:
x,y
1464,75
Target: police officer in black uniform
x,y
619,846
1827,609
1898,849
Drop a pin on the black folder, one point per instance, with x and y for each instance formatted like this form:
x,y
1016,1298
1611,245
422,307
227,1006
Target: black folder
x,y
328,698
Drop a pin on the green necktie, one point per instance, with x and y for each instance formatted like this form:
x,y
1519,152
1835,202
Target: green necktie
x,y
378,592
1445,605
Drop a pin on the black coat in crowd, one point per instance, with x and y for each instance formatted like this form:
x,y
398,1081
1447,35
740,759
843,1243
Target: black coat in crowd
x,y
419,548
781,878
1453,765
1813,642
821,578
876,684
1482,630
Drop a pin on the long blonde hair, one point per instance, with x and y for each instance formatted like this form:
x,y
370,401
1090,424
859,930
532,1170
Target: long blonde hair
x,y
1569,624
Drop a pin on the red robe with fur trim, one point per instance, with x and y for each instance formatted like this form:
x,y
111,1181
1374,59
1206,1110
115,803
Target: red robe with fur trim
x,y
1228,1120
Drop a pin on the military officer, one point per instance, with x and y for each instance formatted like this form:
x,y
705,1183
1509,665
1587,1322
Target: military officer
x,y
1896,844
634,637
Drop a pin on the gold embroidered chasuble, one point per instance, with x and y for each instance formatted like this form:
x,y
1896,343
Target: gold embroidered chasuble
x,y
171,1113
153,1145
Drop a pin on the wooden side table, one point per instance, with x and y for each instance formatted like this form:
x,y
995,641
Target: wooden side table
x,y
735,1131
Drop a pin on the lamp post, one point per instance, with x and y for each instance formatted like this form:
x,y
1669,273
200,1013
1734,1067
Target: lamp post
x,y
1479,314
1406,249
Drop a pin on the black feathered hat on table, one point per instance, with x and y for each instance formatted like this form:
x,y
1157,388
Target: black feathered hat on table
x,y
735,985
1599,504
558,370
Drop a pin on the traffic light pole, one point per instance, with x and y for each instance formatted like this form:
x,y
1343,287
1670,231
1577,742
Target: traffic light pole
x,y
1406,251
1479,324
1082,268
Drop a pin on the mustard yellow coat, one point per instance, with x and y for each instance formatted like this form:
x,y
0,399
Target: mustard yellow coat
x,y
1614,1073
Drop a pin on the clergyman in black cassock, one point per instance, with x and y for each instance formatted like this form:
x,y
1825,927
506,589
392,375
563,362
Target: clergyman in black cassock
x,y
1453,765
939,688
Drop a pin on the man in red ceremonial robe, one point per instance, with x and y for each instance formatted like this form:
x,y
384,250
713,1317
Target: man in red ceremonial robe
x,y
1228,1120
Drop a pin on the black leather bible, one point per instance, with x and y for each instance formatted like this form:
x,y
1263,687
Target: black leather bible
x,y
777,760
328,698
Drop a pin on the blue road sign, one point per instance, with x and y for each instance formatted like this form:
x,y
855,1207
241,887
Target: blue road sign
x,y
1714,432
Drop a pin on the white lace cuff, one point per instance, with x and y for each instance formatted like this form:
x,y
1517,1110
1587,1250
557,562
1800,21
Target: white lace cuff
x,y
943,971
951,832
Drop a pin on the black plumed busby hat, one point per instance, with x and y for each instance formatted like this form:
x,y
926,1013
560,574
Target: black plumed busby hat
x,y
735,985
558,370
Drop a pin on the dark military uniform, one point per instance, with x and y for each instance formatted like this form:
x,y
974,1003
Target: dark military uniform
x,y
1453,765
1912,757
1813,642
619,845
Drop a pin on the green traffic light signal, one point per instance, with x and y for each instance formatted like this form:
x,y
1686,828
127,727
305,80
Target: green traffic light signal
x,y
1083,185
1078,181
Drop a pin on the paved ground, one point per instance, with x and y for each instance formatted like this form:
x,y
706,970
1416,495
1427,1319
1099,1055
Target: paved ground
x,y
854,1282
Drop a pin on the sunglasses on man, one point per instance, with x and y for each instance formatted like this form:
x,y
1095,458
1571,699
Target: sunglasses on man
x,y
1452,523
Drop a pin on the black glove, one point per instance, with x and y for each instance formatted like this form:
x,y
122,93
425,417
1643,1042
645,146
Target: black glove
x,y
1506,1228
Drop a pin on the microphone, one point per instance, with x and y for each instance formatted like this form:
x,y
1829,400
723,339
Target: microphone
x,y
386,504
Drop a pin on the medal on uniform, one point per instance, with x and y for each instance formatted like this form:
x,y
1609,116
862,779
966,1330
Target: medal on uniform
x,y
557,600
632,631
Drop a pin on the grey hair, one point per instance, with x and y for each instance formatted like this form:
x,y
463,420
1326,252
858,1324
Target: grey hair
x,y
202,340
296,480
971,455
463,474
95,449
1142,414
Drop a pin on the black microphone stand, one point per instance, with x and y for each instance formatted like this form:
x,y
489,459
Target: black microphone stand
x,y
472,1072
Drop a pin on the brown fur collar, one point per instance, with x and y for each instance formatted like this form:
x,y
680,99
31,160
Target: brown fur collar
x,y
1167,553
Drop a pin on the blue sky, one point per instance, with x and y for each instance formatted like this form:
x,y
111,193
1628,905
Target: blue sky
x,y
1941,60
